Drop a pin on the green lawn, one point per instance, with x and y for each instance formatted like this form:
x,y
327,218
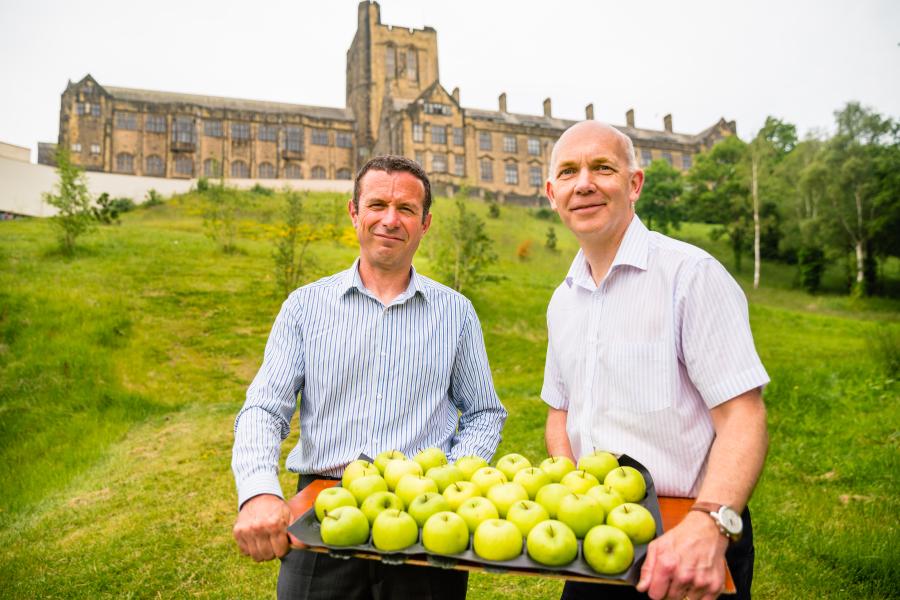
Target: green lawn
x,y
122,368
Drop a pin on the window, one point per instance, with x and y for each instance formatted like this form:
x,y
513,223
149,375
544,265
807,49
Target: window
x,y
184,165
390,62
240,170
420,158
512,173
438,134
412,66
509,143
459,165
155,123
79,108
95,110
268,133
439,163
76,147
343,140
418,133
343,173
292,171
318,172
667,156
458,136
155,166
213,128
266,170
436,108
95,149
124,162
484,140
534,175
293,140
212,168
240,132
183,132
320,137
126,120
534,146
686,161
646,157
487,169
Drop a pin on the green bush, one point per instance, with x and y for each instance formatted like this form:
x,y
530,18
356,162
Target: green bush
x,y
261,190
154,198
543,213
884,347
811,261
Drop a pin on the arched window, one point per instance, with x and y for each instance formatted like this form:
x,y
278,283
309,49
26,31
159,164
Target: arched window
x,y
184,165
240,170
212,167
124,162
318,172
292,171
266,171
155,166
343,174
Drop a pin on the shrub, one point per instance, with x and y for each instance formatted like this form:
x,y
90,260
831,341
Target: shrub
x,y
884,347
524,250
493,210
543,213
550,243
261,190
72,200
811,261
203,185
154,198
462,251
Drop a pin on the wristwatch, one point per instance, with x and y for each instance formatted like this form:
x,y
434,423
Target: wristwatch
x,y
728,521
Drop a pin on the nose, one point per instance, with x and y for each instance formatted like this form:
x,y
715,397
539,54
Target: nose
x,y
583,182
391,218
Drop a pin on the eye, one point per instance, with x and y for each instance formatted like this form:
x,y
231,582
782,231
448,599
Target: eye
x,y
603,168
566,171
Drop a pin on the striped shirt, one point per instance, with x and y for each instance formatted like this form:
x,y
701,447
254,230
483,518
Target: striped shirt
x,y
407,376
639,360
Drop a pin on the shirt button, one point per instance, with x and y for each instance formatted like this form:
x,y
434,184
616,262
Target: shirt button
x,y
378,397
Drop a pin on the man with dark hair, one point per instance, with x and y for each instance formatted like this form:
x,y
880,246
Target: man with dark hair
x,y
382,358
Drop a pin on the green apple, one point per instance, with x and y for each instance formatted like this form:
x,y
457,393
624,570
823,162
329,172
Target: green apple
x,y
550,495
606,496
444,475
496,539
511,464
395,469
579,481
330,499
425,505
607,550
459,492
556,467
629,482
476,510
552,543
357,469
504,495
532,479
344,526
598,463
385,457
394,530
526,514
635,520
365,486
411,486
445,533
378,502
580,512
469,464
487,477
430,458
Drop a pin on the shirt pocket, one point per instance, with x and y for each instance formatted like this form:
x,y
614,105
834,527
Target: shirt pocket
x,y
638,376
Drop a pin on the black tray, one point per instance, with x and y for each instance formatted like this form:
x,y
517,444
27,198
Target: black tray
x,y
306,529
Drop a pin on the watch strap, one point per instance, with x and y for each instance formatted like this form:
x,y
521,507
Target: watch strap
x,y
709,507
713,509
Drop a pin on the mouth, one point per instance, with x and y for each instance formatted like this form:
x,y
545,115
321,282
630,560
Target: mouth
x,y
386,236
587,207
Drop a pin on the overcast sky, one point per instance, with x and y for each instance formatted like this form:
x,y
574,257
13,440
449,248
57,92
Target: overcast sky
x,y
699,60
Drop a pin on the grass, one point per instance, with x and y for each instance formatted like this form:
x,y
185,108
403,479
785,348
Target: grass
x,y
122,368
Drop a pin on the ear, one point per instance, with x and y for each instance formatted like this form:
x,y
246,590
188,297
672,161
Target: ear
x,y
351,210
636,184
427,224
551,194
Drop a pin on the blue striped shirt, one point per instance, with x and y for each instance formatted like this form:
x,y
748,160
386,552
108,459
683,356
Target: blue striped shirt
x,y
407,376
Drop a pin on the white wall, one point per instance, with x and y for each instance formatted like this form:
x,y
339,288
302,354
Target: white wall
x,y
21,186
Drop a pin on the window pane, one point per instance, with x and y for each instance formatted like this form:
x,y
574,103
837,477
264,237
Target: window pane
x,y
213,128
124,162
268,133
154,165
509,143
512,173
343,140
318,173
240,131
343,173
438,134
266,170
390,62
534,175
439,163
126,120
458,136
155,123
459,165
240,170
320,137
418,132
484,140
686,161
412,65
487,169
293,171
293,139
211,167
184,165
534,146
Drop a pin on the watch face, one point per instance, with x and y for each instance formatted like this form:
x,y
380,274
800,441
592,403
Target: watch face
x,y
731,521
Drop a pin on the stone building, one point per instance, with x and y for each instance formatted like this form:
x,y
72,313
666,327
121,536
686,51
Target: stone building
x,y
395,103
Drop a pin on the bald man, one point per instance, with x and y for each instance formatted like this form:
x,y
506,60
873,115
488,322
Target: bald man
x,y
650,354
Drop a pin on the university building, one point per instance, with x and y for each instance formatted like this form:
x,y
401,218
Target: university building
x,y
395,104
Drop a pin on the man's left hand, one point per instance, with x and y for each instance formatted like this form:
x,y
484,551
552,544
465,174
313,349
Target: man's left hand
x,y
686,562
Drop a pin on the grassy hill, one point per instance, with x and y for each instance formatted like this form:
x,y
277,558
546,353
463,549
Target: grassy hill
x,y
122,368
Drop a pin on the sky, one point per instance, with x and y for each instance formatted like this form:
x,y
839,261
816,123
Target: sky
x,y
700,60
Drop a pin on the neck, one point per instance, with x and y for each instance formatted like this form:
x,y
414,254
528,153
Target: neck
x,y
600,251
384,284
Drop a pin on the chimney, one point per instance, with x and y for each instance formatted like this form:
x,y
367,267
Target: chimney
x,y
667,123
589,112
502,100
629,118
547,107
455,94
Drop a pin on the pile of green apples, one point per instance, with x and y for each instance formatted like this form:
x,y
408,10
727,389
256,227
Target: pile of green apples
x,y
545,509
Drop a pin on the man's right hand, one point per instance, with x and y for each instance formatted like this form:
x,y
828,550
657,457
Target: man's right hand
x,y
261,527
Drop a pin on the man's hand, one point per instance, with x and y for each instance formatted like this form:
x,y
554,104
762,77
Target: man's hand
x,y
686,562
261,527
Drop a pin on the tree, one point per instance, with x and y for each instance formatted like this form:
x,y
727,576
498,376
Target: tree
x,y
550,242
292,241
658,205
462,250
220,214
72,200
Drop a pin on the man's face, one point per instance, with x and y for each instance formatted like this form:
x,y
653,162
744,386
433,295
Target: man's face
x,y
591,186
389,221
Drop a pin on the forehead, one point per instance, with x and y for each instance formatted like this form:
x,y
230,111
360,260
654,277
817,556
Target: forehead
x,y
589,143
398,185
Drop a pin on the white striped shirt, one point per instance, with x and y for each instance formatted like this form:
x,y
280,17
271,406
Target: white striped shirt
x,y
370,378
639,360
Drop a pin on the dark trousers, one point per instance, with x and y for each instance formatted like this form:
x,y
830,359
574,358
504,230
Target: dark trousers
x,y
313,575
739,557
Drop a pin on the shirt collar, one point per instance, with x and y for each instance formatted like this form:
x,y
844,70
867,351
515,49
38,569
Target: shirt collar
x,y
633,251
352,281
